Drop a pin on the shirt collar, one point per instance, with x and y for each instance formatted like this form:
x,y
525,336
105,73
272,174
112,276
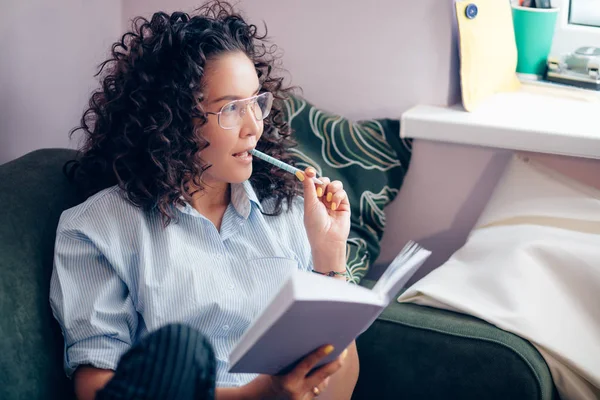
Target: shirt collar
x,y
242,197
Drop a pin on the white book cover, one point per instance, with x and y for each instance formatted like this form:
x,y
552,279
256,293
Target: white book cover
x,y
311,310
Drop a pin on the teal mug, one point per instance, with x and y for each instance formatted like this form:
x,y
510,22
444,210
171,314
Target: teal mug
x,y
534,31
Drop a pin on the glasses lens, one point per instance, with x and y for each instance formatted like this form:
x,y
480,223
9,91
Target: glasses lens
x,y
230,115
262,106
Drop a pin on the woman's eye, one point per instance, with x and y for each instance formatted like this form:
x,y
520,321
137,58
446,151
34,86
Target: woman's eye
x,y
230,107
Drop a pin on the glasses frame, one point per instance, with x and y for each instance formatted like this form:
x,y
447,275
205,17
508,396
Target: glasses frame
x,y
244,109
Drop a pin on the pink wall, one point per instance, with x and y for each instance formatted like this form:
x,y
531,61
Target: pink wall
x,y
362,59
49,53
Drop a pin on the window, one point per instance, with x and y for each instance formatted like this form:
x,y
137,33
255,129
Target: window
x,y
585,12
578,25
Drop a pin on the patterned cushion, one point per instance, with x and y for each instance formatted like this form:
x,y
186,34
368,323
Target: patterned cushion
x,y
367,156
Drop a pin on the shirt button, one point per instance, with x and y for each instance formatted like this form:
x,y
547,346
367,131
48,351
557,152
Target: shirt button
x,y
225,327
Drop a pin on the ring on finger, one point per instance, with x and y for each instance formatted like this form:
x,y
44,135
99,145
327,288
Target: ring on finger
x,y
316,391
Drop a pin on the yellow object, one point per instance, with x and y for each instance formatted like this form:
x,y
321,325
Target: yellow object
x,y
333,206
328,349
329,196
344,354
319,192
300,176
488,53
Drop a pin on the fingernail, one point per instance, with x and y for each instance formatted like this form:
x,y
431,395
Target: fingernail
x,y
319,192
344,354
328,349
300,176
329,196
333,206
311,171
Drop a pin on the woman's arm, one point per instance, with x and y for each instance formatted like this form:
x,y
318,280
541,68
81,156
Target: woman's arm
x,y
230,394
89,380
334,259
96,325
327,222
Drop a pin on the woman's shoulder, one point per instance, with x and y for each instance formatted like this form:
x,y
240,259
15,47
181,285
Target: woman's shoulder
x,y
108,206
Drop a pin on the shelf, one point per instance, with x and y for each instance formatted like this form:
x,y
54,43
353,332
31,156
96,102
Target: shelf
x,y
533,119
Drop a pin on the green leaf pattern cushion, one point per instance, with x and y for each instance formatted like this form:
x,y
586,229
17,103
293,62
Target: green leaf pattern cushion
x,y
367,156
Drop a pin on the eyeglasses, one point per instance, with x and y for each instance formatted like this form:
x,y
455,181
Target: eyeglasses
x,y
232,114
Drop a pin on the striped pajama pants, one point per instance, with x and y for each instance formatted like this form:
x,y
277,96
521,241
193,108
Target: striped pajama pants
x,y
174,362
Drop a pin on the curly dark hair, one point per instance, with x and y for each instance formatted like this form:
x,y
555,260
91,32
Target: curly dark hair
x,y
139,129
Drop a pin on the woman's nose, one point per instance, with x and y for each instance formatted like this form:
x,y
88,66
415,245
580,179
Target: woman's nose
x,y
250,126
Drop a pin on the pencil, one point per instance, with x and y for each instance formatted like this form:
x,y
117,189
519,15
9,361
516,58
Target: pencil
x,y
281,164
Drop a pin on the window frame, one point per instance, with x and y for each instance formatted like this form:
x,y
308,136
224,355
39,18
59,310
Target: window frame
x,y
580,12
567,36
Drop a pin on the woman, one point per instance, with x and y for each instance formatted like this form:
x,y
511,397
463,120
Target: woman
x,y
182,231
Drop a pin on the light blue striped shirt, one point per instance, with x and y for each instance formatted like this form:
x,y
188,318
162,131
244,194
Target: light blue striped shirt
x,y
119,274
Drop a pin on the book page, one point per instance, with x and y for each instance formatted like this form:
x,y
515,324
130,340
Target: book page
x,y
400,270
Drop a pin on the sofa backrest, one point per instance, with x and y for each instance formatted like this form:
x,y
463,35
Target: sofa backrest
x,y
33,193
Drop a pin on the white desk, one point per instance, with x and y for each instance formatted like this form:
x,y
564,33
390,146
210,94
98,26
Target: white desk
x,y
534,119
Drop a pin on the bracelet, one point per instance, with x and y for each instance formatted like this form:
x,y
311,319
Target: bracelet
x,y
331,273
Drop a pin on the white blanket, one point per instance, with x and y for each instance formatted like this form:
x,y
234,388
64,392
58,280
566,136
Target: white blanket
x,y
531,266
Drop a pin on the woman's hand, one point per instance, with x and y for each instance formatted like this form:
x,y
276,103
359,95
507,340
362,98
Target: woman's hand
x,y
326,216
299,384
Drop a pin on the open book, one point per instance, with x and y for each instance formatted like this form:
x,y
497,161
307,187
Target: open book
x,y
311,310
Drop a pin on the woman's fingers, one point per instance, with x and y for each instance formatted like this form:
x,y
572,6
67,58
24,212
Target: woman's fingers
x,y
309,362
321,188
332,194
337,199
320,387
321,374
310,191
332,188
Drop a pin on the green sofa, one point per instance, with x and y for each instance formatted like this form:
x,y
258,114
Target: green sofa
x,y
410,352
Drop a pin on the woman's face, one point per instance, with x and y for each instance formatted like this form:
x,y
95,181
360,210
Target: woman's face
x,y
229,77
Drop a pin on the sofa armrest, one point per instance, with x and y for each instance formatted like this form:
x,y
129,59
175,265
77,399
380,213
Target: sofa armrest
x,y
413,351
